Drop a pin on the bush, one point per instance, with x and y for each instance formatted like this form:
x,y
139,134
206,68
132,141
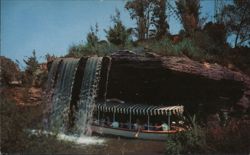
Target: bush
x,y
166,47
233,138
12,125
102,48
14,136
9,71
186,142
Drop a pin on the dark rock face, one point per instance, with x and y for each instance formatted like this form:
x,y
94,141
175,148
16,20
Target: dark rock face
x,y
151,79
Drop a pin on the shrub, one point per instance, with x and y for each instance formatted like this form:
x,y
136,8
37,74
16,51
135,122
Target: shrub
x,y
191,141
12,125
233,138
9,71
14,137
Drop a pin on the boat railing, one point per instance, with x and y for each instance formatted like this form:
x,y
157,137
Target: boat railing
x,y
144,127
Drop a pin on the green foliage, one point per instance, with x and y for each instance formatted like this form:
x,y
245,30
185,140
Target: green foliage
x,y
102,48
81,50
32,63
236,19
92,37
233,138
141,11
188,11
160,18
31,68
167,47
14,135
188,142
12,125
150,16
118,34
216,32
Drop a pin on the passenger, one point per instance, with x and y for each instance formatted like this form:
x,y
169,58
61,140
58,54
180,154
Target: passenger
x,y
122,125
96,122
165,127
157,127
137,125
107,121
145,126
115,124
102,122
151,127
128,125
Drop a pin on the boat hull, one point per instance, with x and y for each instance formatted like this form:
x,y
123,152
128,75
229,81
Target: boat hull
x,y
143,134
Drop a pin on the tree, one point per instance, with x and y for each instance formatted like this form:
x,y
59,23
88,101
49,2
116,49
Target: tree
x,y
9,71
118,34
216,32
160,18
32,63
31,68
141,11
236,18
188,11
92,38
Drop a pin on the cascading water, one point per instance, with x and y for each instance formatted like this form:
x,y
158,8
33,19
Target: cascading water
x,y
62,94
52,79
52,74
88,95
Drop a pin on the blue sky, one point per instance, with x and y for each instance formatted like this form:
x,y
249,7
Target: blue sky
x,y
51,26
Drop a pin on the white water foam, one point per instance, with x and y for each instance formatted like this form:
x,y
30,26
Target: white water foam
x,y
83,140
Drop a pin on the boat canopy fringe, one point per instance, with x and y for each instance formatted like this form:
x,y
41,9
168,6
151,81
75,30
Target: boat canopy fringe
x,y
139,109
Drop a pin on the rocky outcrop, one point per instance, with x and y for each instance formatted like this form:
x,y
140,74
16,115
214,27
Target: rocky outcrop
x,y
149,78
212,71
155,79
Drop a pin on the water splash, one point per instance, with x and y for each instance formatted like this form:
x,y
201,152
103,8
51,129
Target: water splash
x,y
87,95
83,140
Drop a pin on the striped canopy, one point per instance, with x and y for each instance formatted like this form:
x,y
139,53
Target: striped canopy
x,y
138,109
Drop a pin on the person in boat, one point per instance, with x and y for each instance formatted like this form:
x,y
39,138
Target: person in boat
x,y
127,125
107,121
102,122
137,125
115,124
95,121
164,127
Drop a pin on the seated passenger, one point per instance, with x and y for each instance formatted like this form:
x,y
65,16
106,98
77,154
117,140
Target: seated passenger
x,y
115,124
102,122
157,127
96,122
165,127
107,121
135,126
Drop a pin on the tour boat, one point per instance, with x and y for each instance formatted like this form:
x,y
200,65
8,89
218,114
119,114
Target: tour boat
x,y
130,110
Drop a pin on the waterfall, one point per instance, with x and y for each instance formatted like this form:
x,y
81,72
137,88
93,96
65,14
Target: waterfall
x,y
88,95
51,81
62,94
52,74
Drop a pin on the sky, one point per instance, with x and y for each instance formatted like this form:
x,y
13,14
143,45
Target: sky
x,y
52,26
